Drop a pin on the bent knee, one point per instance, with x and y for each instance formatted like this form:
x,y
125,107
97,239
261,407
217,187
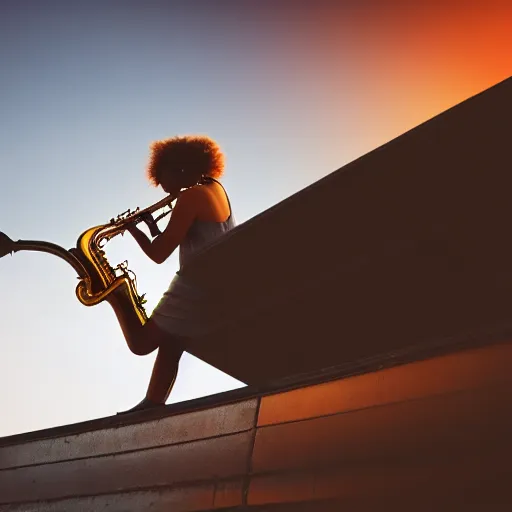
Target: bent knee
x,y
140,346
139,349
145,340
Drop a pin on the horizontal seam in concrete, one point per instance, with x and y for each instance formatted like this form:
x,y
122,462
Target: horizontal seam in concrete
x,y
468,341
378,463
312,473
179,486
377,406
113,454
114,422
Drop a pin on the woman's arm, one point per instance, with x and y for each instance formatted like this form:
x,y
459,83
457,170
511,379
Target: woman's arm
x,y
141,238
182,216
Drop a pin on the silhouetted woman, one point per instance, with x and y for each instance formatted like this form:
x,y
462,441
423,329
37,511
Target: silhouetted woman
x,y
187,167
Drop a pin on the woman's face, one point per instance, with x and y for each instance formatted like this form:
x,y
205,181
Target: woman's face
x,y
176,179
170,184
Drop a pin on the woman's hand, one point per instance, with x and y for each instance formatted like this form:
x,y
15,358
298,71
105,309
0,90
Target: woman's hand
x,y
139,236
151,224
132,228
7,246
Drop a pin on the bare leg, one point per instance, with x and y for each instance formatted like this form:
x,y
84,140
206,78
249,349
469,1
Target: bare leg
x,y
144,339
165,370
164,373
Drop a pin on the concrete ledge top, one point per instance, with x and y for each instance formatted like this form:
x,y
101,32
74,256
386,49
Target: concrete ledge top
x,y
411,354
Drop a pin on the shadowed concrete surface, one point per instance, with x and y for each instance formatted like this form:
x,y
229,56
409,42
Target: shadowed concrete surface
x,y
408,245
378,355
432,433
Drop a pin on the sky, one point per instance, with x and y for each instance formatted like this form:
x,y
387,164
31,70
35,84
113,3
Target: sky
x,y
291,90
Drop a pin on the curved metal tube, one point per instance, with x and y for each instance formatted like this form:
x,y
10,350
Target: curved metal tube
x,y
56,250
85,290
98,279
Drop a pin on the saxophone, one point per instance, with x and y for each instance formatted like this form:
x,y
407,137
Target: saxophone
x,y
97,278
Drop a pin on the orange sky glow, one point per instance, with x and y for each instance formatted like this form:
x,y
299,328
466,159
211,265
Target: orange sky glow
x,y
291,89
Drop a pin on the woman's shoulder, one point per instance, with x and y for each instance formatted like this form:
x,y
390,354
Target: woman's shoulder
x,y
195,196
187,200
205,190
210,201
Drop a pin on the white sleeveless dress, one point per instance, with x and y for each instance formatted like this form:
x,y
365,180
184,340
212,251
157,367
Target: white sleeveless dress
x,y
185,310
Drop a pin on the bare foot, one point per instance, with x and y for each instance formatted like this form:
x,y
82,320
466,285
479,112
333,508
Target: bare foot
x,y
142,406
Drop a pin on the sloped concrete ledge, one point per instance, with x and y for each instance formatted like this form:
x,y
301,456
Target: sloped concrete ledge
x,y
194,497
149,433
440,424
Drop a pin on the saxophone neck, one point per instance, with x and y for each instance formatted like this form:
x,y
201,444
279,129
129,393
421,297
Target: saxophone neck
x,y
48,247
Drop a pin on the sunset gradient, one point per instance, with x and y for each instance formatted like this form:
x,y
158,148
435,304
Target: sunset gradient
x,y
291,90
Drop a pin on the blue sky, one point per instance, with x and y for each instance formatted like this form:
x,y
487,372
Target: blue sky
x,y
290,90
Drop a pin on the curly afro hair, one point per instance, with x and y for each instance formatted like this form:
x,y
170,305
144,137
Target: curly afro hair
x,y
194,156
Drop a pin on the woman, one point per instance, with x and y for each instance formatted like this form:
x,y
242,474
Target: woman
x,y
187,167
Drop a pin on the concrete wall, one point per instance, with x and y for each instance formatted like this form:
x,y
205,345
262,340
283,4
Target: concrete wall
x,y
407,244
429,435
